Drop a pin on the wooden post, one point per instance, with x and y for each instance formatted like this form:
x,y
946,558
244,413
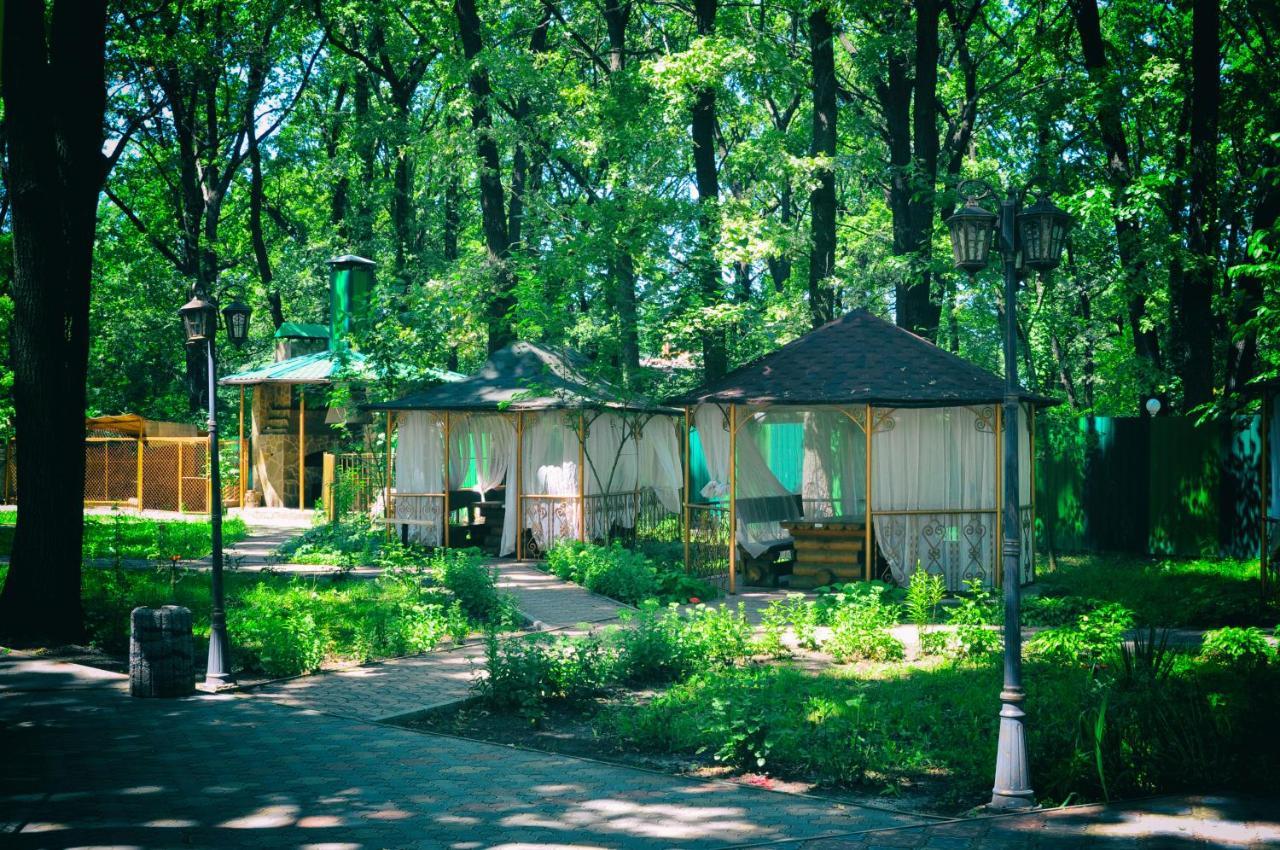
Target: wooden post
x,y
302,447
519,476
180,445
733,497
996,549
869,428
447,484
582,479
241,452
1264,556
386,480
688,462
106,470
140,450
327,487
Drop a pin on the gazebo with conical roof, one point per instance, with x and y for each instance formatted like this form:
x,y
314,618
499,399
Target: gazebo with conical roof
x,y
897,467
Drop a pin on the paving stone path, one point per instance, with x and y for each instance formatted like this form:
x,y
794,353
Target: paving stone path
x,y
85,765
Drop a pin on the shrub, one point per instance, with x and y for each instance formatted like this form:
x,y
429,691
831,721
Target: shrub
x,y
773,622
924,595
973,617
1088,640
524,673
474,585
1236,646
651,645
834,597
860,630
717,635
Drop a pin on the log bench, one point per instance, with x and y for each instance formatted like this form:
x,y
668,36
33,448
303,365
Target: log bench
x,y
827,550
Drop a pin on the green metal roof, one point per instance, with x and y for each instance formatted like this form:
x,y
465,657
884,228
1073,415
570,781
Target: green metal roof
x,y
320,368
302,330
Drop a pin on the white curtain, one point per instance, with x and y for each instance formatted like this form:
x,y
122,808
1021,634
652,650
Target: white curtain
x,y
612,457
419,468
660,464
550,468
938,460
834,459
489,440
762,501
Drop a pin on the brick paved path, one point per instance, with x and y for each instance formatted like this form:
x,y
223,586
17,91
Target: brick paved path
x,y
90,766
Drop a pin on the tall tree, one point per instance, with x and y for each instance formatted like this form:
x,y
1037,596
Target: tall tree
x,y
707,179
822,200
54,91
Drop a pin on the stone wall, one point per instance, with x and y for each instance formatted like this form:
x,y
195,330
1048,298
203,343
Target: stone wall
x,y
275,445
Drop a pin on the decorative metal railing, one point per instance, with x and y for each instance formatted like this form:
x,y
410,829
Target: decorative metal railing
x,y
1027,519
958,545
708,551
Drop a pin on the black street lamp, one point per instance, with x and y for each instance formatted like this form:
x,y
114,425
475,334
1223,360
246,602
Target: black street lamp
x,y
200,322
1035,236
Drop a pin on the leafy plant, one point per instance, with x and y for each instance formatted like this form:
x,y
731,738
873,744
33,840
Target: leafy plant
x,y
1089,640
924,595
860,630
1236,646
973,616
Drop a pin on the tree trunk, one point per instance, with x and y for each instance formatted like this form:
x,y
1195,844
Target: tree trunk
x,y
1192,299
822,200
1146,342
54,96
917,311
493,214
703,131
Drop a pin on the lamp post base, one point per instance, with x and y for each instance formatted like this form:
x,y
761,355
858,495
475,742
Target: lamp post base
x,y
1012,789
218,669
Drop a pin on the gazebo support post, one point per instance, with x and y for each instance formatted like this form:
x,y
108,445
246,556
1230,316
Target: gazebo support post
x,y
684,501
1012,787
995,550
868,429
582,478
447,483
302,447
386,480
1031,458
519,476
240,449
140,451
733,497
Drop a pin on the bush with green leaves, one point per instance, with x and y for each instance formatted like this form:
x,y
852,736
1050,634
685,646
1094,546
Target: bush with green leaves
x,y
652,646
974,615
832,598
474,584
1089,640
1237,646
623,574
717,634
860,629
924,595
523,673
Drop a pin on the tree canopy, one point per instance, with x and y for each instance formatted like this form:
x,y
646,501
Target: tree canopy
x,y
703,178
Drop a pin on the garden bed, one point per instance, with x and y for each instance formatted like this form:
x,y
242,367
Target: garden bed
x,y
835,695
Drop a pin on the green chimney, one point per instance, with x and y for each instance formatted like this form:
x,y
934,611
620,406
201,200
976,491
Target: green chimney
x,y
350,290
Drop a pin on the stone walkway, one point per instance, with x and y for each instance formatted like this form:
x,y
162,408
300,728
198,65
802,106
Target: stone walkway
x,y
85,765
402,687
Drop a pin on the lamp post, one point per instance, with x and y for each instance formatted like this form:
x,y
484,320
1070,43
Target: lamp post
x,y
200,322
1033,237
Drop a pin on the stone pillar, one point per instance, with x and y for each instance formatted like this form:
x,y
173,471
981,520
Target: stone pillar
x,y
160,652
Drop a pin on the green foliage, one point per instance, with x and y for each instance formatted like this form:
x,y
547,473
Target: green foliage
x,y
974,615
1236,646
521,674
624,574
1089,640
860,629
924,595
652,645
348,544
122,537
474,584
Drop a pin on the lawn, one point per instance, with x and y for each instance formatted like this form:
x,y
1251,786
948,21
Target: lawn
x,y
129,537
282,625
1201,593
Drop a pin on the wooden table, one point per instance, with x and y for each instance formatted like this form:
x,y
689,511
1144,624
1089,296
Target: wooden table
x,y
828,549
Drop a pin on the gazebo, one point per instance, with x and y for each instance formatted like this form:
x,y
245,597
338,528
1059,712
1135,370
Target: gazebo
x,y
896,465
533,450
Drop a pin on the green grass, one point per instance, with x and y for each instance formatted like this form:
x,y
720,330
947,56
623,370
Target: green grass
x,y
282,625
347,544
1199,593
899,728
130,537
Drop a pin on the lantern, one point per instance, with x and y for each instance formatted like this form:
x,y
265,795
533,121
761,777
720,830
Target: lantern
x,y
199,319
237,315
1043,228
972,232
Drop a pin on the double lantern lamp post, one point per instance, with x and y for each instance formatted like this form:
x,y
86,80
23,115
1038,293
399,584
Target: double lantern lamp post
x,y
200,321
1031,238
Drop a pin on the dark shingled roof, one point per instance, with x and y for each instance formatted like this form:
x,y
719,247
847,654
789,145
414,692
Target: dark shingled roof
x,y
525,376
858,358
